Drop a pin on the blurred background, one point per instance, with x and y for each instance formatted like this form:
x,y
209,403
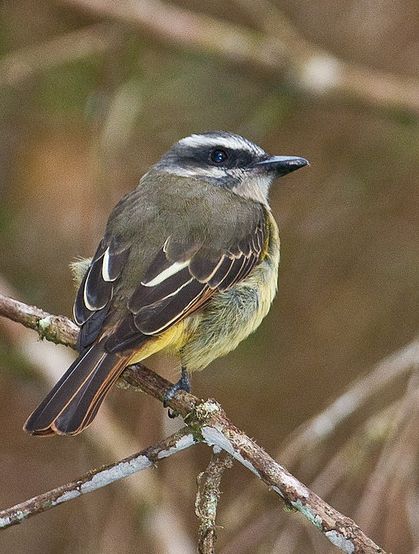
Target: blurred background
x,y
91,94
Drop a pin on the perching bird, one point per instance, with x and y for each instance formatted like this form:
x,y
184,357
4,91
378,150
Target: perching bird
x,y
188,263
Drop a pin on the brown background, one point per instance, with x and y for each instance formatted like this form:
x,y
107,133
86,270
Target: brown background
x,y
76,136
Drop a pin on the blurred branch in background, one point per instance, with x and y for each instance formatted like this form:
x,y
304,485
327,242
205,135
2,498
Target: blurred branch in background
x,y
278,52
208,423
30,61
393,482
393,479
330,477
303,442
313,432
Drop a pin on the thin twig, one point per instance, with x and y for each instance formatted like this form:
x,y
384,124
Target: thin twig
x,y
208,423
283,53
97,478
207,497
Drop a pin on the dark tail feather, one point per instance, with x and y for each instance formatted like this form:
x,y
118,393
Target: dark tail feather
x,y
74,401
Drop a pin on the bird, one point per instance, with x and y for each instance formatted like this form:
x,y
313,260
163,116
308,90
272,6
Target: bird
x,y
188,264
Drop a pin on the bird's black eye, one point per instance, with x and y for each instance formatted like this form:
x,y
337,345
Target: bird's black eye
x,y
218,156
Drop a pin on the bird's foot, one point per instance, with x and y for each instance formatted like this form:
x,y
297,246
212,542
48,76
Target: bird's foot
x,y
184,383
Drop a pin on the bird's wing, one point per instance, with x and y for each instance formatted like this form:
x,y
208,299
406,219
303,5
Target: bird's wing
x,y
96,290
153,268
181,279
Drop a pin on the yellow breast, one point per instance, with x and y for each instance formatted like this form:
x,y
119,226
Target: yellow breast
x,y
234,314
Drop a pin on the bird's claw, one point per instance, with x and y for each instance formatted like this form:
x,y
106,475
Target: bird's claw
x,y
183,384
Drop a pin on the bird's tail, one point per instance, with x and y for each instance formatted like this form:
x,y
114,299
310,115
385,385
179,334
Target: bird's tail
x,y
74,401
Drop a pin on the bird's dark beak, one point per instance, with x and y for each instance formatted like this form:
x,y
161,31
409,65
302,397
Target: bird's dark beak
x,y
281,165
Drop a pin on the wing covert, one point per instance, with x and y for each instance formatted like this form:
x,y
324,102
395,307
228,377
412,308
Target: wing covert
x,y
181,280
96,290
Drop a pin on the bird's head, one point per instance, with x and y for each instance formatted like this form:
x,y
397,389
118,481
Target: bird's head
x,y
229,161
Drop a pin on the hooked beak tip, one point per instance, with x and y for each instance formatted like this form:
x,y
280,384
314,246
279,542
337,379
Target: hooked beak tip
x,y
282,165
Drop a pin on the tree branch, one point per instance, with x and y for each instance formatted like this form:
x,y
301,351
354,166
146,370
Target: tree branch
x,y
207,497
208,423
279,52
97,478
54,328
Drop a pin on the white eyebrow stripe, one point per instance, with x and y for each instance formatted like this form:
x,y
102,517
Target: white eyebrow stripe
x,y
171,270
232,142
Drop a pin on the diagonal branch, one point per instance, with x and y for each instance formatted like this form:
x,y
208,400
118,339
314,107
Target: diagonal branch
x,y
208,423
97,478
277,51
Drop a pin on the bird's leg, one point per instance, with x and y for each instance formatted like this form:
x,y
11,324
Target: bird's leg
x,y
184,383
